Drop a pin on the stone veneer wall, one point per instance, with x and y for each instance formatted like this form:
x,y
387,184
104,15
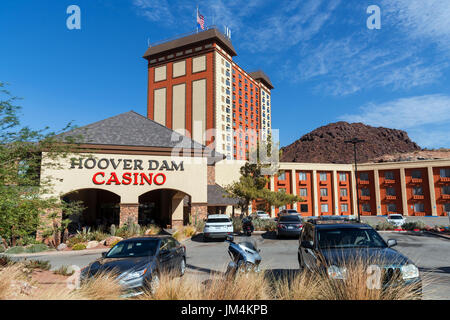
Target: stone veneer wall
x,y
129,211
211,174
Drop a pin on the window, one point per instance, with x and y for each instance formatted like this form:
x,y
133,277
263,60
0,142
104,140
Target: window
x,y
343,192
281,175
303,208
303,192
323,192
302,176
323,176
446,189
324,207
389,175
342,176
364,176
419,207
365,192
366,207
445,173
416,174
390,191
344,207
418,191
392,207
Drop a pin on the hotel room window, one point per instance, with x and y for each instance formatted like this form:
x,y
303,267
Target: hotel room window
x,y
323,192
323,176
302,176
324,207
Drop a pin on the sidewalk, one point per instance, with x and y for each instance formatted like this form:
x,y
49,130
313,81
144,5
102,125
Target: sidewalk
x,y
55,252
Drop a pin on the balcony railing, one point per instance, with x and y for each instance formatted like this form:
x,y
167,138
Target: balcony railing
x,y
416,180
419,214
363,182
389,181
445,196
418,197
365,198
391,197
444,179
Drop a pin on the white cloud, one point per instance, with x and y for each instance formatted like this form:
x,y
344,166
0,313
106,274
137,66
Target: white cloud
x,y
154,10
427,20
426,118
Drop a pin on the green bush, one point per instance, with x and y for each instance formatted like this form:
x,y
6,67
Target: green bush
x,y
15,250
411,225
75,240
79,246
385,226
2,248
36,248
264,225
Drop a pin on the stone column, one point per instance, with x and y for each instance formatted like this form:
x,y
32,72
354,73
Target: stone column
x,y
129,212
177,210
335,193
403,195
432,191
376,179
50,221
294,186
199,210
314,190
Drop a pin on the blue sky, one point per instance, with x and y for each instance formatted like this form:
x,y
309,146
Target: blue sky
x,y
324,62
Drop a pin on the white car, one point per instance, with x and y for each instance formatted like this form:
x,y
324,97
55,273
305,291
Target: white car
x,y
396,219
261,215
217,226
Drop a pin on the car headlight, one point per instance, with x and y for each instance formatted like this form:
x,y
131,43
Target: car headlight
x,y
409,271
127,276
334,272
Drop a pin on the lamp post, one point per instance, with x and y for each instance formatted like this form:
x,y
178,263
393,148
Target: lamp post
x,y
355,141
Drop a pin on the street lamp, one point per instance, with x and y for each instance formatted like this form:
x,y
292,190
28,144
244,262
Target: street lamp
x,y
355,141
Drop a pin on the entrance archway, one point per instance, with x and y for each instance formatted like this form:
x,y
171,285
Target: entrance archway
x,y
163,207
101,209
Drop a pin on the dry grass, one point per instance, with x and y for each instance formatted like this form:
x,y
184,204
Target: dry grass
x,y
244,286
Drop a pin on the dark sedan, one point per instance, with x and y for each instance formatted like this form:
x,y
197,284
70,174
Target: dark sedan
x,y
139,261
289,226
331,247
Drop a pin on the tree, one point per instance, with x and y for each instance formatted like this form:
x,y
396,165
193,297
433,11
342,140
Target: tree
x,y
23,194
252,185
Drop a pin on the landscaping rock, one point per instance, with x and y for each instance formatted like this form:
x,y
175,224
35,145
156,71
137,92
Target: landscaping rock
x,y
61,247
92,244
110,240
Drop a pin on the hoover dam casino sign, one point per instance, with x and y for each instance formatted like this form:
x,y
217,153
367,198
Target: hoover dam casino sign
x,y
132,172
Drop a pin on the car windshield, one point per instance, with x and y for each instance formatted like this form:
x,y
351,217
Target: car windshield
x,y
350,238
290,219
215,220
395,217
130,249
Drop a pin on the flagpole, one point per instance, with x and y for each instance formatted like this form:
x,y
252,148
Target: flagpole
x,y
196,19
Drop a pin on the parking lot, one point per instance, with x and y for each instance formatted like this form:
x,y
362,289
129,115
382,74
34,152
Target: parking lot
x,y
430,253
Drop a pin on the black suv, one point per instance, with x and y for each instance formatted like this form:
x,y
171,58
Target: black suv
x,y
329,246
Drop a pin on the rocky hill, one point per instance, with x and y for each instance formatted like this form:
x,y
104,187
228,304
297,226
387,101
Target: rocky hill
x,y
326,144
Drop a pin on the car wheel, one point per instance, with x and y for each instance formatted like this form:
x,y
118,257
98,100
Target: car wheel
x,y
182,267
154,283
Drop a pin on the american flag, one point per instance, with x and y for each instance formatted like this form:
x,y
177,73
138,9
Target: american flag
x,y
200,20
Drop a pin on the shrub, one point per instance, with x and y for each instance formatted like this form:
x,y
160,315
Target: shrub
x,y
411,225
265,225
64,271
38,264
189,231
15,250
36,248
177,235
75,240
79,246
385,226
152,229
